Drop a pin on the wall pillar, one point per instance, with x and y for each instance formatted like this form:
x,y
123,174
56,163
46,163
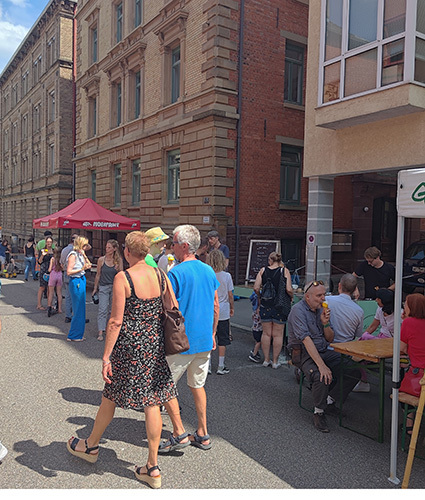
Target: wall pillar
x,y
319,229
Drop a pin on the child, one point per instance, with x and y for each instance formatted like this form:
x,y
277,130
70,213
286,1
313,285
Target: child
x,y
55,280
384,317
225,298
257,329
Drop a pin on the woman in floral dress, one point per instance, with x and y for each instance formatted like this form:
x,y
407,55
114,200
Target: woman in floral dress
x,y
134,365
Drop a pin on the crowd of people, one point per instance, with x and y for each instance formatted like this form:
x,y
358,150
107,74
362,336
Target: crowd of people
x,y
192,275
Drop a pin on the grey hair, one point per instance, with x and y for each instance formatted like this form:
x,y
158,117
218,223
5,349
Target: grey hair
x,y
348,283
188,234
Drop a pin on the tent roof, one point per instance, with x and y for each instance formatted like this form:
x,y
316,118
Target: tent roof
x,y
86,214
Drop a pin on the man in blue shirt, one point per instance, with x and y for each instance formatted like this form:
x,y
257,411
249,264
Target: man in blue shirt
x,y
347,317
195,286
310,330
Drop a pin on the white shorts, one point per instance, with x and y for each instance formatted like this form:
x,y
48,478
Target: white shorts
x,y
195,364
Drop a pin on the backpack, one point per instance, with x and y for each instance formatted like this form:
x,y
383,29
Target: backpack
x,y
268,292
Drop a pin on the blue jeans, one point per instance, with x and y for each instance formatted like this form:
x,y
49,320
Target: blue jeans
x,y
29,264
77,289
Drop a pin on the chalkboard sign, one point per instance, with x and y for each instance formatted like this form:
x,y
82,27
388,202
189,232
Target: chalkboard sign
x,y
259,250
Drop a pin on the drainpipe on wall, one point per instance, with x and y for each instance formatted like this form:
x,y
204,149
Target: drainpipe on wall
x,y
238,140
74,99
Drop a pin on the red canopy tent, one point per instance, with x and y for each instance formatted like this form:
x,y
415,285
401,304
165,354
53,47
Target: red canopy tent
x,y
86,214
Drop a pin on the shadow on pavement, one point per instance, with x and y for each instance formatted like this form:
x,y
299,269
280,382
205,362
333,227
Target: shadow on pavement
x,y
53,458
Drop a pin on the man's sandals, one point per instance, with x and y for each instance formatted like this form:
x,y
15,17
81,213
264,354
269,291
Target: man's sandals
x,y
85,455
146,477
198,441
174,443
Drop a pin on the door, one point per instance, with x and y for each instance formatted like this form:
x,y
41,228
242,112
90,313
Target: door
x,y
384,227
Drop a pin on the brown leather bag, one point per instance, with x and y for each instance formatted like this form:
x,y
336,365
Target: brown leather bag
x,y
175,338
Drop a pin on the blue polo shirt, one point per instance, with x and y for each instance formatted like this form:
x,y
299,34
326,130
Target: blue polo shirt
x,y
304,322
346,317
194,284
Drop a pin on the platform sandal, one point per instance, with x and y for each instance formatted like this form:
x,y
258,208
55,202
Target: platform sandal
x,y
152,481
85,455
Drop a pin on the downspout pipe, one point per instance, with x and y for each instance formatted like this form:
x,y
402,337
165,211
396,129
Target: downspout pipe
x,y
74,100
238,140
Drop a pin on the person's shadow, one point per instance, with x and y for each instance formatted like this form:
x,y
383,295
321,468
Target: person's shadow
x,y
83,396
49,460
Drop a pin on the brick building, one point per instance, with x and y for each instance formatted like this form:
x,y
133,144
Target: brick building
x,y
36,110
164,91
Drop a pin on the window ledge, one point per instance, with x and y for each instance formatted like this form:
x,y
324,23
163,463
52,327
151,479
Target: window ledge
x,y
291,105
298,208
375,106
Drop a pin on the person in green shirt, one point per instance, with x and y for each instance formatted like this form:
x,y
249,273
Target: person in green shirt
x,y
42,243
156,238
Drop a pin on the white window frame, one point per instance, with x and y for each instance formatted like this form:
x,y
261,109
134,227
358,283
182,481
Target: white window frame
x,y
409,35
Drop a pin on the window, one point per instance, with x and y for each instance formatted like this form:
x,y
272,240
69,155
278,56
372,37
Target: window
x,y
117,99
173,172
294,73
52,106
119,22
175,74
135,183
25,127
36,117
290,175
137,94
363,46
93,185
25,83
93,41
92,125
51,51
14,134
117,185
52,158
6,141
37,69
14,95
138,12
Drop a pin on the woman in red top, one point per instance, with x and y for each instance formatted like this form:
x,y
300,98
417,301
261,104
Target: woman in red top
x,y
413,331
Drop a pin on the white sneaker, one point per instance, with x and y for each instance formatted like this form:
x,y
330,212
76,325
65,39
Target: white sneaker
x,y
3,452
222,370
267,363
362,387
276,365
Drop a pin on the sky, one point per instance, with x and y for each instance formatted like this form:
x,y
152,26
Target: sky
x,y
16,18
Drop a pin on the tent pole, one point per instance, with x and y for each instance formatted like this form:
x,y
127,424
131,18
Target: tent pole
x,y
396,348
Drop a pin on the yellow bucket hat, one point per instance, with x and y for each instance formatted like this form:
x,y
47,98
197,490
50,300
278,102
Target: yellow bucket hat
x,y
156,234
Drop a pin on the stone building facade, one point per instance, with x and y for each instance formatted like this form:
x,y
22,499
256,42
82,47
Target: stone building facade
x,y
36,109
163,91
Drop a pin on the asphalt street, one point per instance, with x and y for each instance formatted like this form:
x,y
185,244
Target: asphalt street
x,y
262,439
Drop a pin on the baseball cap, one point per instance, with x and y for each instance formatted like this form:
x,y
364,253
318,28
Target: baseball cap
x,y
156,234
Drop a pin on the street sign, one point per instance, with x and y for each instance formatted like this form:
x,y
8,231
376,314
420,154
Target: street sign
x,y
411,193
310,239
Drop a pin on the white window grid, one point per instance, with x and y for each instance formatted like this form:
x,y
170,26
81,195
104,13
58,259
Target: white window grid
x,y
409,35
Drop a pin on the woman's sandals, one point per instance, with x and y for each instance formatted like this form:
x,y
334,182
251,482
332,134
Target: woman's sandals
x,y
85,455
146,477
174,443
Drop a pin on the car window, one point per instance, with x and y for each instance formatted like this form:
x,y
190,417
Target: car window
x,y
416,252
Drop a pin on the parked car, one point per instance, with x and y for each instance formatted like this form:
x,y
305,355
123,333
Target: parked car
x,y
414,267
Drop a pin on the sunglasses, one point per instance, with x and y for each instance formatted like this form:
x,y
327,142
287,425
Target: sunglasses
x,y
313,283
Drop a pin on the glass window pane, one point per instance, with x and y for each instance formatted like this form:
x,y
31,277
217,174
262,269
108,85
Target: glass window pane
x,y
360,72
393,62
362,22
420,19
420,60
292,183
331,82
394,17
333,29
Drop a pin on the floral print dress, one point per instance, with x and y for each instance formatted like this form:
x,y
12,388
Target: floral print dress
x,y
140,372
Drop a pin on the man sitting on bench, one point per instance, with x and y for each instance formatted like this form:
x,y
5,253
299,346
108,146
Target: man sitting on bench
x,y
310,333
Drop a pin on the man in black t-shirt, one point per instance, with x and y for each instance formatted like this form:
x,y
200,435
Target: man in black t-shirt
x,y
376,272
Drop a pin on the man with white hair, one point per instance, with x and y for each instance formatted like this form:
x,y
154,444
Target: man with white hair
x,y
310,333
195,286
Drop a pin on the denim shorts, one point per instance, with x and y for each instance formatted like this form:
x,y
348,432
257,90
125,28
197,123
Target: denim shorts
x,y
271,315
